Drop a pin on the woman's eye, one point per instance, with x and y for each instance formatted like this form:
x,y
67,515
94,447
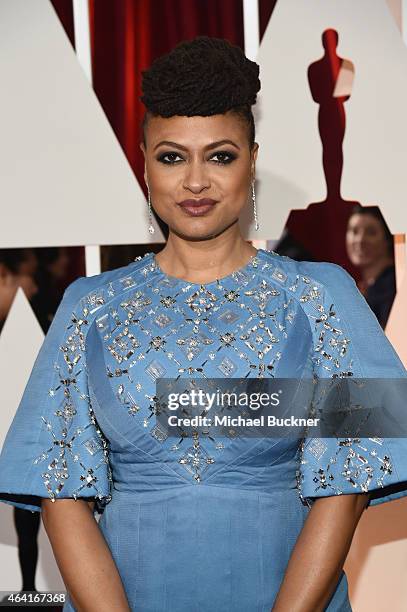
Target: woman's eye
x,y
224,157
169,158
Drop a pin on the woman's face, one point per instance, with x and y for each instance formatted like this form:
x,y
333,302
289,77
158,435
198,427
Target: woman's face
x,y
194,158
365,240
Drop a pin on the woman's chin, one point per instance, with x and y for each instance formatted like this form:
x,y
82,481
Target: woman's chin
x,y
199,229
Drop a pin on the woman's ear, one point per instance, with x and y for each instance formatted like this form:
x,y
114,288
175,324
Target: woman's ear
x,y
143,149
254,153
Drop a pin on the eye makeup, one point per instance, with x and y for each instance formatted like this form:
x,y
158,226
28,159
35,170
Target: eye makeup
x,y
226,157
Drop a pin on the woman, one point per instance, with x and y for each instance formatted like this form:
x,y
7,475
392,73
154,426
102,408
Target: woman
x,y
369,244
203,522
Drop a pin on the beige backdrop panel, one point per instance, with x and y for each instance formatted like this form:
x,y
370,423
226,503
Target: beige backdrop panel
x,y
63,175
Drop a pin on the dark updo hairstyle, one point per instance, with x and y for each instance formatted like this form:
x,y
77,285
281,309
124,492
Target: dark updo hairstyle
x,y
374,211
204,76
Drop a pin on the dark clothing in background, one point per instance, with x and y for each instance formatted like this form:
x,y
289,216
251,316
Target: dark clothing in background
x,y
381,294
47,300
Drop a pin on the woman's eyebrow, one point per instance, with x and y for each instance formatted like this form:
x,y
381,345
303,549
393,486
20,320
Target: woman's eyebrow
x,y
213,145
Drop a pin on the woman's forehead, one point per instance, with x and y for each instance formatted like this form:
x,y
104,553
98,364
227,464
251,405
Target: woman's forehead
x,y
364,219
196,130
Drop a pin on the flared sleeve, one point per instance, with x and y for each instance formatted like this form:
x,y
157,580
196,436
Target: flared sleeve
x,y
54,447
350,346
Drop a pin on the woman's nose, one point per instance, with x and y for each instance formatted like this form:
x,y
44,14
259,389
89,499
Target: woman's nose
x,y
196,177
358,238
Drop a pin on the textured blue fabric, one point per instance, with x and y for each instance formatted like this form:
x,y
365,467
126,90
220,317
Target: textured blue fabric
x,y
205,526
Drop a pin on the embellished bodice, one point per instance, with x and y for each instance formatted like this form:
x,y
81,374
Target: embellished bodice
x,y
264,320
150,325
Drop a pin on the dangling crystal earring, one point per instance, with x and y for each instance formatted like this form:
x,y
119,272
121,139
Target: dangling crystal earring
x,y
254,207
150,215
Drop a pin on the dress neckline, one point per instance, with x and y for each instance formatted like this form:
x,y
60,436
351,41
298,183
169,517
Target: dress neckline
x,y
246,268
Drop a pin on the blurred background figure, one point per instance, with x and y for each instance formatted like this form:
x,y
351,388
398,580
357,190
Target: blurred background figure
x,y
370,248
17,269
50,277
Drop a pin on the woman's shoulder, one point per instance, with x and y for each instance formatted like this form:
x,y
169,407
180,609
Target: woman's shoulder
x,y
290,272
108,283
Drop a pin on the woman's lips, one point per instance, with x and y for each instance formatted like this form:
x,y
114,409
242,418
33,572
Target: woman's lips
x,y
196,208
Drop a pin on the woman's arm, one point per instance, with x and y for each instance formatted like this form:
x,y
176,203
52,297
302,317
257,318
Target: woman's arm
x,y
83,556
319,554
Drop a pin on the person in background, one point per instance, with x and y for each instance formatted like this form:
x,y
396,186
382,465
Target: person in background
x,y
53,263
369,244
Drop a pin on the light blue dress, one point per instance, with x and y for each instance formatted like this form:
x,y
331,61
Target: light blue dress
x,y
204,524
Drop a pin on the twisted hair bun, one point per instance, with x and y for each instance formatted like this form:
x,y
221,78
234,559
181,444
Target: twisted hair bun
x,y
204,76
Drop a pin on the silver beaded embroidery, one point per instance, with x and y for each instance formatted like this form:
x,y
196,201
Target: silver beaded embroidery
x,y
360,465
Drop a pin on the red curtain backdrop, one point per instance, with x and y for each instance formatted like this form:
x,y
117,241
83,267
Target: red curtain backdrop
x,y
64,10
266,8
